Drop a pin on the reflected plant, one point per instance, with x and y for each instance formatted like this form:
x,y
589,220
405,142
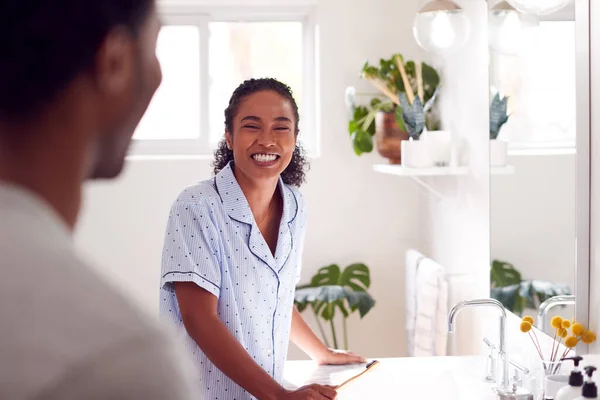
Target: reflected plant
x,y
498,115
516,294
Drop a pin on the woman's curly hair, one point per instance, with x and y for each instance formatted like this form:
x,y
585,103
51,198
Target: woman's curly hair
x,y
295,173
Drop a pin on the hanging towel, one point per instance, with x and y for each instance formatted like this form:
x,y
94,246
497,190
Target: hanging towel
x,y
413,258
431,323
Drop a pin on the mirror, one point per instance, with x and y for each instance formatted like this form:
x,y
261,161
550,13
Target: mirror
x,y
532,71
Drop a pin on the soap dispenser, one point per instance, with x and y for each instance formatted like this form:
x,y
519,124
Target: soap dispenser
x,y
573,391
589,391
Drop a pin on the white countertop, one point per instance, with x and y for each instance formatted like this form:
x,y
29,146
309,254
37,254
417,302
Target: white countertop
x,y
449,378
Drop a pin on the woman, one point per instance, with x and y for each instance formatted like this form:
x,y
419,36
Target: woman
x,y
232,255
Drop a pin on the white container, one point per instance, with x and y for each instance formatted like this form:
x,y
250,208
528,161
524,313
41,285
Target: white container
x,y
440,145
416,154
553,384
498,153
568,393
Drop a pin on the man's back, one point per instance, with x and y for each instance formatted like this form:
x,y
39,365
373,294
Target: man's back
x,y
64,333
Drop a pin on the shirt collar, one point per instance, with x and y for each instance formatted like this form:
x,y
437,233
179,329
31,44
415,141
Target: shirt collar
x,y
237,206
16,200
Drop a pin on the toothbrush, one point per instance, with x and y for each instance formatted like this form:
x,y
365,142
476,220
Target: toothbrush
x,y
370,366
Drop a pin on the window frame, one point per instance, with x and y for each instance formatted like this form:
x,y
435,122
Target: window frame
x,y
201,16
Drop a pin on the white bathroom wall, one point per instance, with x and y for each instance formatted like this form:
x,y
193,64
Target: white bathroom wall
x,y
354,213
533,214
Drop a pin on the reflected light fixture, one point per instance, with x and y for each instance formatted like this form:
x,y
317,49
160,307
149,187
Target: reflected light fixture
x,y
539,7
441,27
506,26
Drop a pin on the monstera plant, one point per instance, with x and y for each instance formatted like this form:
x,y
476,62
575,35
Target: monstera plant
x,y
516,294
332,292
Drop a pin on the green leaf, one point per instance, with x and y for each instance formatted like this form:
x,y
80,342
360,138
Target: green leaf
x,y
361,301
325,276
322,296
399,118
510,297
362,141
356,277
504,274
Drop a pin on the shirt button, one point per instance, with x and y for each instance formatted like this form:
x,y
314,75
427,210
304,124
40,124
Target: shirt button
x,y
269,352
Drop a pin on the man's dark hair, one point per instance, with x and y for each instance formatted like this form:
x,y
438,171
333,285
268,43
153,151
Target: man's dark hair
x,y
45,44
295,173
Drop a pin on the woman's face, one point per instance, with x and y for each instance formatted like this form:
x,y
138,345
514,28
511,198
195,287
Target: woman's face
x,y
264,136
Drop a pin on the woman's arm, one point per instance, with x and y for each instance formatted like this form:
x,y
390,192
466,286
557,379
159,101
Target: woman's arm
x,y
198,310
304,337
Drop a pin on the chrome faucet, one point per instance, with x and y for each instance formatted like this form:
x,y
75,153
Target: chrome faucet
x,y
549,304
502,357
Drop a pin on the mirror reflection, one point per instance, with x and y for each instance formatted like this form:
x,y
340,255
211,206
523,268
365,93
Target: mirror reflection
x,y
533,160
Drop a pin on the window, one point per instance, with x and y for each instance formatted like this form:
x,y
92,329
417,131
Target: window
x,y
205,55
540,83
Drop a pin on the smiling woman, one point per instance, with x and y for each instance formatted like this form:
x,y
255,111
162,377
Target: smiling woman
x,y
233,250
241,120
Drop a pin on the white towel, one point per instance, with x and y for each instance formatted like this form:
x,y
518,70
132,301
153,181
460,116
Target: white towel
x,y
431,324
413,258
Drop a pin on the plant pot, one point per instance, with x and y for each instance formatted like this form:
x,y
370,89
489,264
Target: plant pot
x,y
498,153
416,154
440,145
389,136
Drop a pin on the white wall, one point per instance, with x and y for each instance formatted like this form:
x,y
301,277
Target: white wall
x,y
533,217
354,213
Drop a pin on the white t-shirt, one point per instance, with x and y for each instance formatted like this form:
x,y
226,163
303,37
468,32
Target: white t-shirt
x,y
64,332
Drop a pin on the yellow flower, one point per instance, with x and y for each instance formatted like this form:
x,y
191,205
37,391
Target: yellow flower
x,y
562,332
577,329
526,326
571,342
529,319
566,324
588,337
556,322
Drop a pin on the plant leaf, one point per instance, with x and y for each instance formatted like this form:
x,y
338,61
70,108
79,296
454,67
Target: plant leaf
x,y
362,142
510,297
327,276
504,274
361,301
356,277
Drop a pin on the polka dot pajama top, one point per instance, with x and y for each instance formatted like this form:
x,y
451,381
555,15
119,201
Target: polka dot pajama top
x,y
213,241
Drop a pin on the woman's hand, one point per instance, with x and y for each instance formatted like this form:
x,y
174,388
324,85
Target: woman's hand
x,y
310,392
339,357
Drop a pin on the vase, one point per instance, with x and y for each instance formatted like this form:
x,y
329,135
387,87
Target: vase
x,y
389,136
498,153
440,146
550,379
416,154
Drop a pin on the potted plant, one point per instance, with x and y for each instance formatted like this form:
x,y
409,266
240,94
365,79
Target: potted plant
x,y
382,117
334,291
498,117
516,294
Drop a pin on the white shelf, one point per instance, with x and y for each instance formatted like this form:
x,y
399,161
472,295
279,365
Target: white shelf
x,y
433,171
418,174
399,170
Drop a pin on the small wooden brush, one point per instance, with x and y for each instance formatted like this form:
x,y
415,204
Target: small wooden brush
x,y
370,366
